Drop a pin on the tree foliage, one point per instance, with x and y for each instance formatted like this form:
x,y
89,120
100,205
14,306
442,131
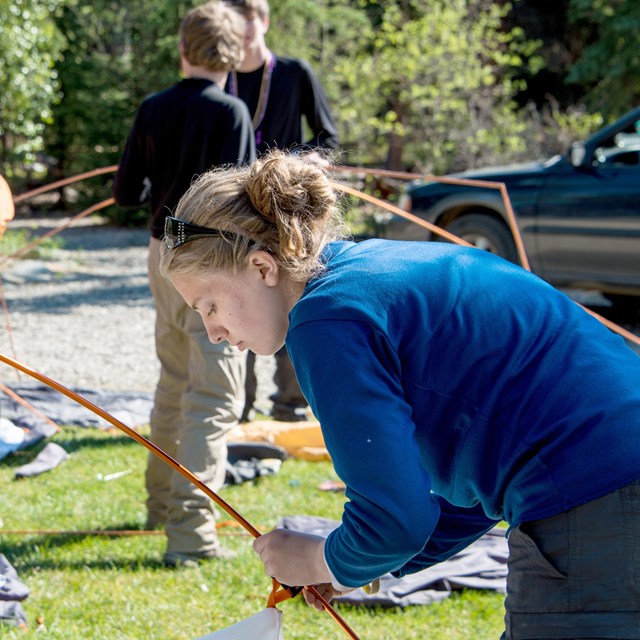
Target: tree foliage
x,y
115,54
609,65
417,84
28,81
432,84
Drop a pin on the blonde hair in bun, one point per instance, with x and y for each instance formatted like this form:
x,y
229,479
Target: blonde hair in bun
x,y
282,204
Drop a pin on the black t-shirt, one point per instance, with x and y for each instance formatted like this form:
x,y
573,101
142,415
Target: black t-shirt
x,y
294,93
177,135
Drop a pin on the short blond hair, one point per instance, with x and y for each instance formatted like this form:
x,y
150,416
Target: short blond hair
x,y
212,36
283,204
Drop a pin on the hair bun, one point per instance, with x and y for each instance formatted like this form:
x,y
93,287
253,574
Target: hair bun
x,y
280,187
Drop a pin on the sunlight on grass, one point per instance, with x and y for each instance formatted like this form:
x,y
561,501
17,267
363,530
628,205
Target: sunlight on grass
x,y
99,587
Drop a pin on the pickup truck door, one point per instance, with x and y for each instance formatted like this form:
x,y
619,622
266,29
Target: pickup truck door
x,y
588,223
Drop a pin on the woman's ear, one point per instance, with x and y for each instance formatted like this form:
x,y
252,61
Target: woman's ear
x,y
264,265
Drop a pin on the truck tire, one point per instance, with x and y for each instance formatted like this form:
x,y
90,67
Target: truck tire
x,y
485,232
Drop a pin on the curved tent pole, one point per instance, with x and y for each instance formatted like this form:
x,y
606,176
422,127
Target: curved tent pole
x,y
285,592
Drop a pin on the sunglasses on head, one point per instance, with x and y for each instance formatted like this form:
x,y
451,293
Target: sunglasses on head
x,y
178,232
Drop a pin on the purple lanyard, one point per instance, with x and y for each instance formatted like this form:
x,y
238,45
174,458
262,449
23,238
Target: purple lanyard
x,y
263,98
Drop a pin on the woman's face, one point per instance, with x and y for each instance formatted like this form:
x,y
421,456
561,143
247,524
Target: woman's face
x,y
249,309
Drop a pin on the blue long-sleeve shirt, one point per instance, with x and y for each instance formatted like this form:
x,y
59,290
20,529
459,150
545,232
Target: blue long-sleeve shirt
x,y
456,390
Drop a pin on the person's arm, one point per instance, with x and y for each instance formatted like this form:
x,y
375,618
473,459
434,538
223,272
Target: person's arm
x,y
317,113
132,186
392,522
352,378
239,146
457,528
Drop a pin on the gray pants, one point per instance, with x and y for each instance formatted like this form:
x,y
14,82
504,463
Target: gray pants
x,y
577,575
199,397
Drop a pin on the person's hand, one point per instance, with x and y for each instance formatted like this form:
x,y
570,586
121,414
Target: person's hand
x,y
327,591
294,559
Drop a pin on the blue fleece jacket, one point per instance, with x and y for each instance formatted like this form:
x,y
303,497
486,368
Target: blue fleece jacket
x,y
456,390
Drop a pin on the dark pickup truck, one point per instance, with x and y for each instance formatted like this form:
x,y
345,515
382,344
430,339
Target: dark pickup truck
x,y
578,213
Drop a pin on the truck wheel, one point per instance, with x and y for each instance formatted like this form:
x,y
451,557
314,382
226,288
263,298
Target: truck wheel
x,y
485,232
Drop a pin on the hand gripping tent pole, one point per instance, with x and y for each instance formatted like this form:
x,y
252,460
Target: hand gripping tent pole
x,y
279,592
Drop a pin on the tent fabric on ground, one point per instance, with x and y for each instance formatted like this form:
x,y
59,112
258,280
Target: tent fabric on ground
x,y
300,439
12,592
482,565
14,437
130,407
265,625
133,408
247,461
21,428
49,458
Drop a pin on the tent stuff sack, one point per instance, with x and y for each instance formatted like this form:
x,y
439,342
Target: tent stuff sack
x,y
265,625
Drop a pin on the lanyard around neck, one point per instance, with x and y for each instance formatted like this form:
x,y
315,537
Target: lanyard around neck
x,y
263,97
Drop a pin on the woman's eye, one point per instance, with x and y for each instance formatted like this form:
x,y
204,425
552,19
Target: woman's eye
x,y
212,310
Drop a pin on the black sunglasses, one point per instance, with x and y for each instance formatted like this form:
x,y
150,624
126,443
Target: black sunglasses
x,y
178,232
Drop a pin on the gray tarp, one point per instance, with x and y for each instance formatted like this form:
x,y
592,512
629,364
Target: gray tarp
x,y
482,565
12,592
132,408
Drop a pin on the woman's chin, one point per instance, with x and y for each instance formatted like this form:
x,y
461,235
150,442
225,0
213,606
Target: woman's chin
x,y
265,350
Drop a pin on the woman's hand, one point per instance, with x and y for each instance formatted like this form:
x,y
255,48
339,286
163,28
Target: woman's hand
x,y
294,559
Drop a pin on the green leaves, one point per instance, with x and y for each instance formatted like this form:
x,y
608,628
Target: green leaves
x,y
424,85
28,80
428,76
609,65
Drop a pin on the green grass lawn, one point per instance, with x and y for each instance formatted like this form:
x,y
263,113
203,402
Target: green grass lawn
x,y
95,587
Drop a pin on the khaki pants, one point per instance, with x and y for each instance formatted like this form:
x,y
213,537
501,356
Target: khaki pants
x,y
199,397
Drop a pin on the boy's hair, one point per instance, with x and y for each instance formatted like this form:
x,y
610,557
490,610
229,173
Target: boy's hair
x,y
249,7
212,36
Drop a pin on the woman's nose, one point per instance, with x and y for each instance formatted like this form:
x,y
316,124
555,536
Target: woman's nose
x,y
216,334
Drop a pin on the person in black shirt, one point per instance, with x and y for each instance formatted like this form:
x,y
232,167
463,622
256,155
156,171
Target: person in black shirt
x,y
177,134
280,92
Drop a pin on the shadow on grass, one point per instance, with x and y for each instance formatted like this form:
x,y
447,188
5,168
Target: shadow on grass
x,y
72,442
27,552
